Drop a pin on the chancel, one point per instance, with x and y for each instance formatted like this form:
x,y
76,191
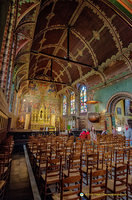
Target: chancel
x,y
65,99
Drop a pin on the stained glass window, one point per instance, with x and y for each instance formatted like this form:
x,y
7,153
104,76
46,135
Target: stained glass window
x,y
83,99
72,102
64,105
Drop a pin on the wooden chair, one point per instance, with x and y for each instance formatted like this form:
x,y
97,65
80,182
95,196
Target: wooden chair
x,y
119,183
74,165
101,150
106,161
129,160
130,183
90,162
52,175
119,158
71,188
62,153
4,166
97,188
41,164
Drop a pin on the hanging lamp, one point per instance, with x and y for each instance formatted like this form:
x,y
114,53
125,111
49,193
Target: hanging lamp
x,y
92,102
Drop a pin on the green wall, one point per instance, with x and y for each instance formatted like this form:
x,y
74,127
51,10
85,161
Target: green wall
x,y
104,94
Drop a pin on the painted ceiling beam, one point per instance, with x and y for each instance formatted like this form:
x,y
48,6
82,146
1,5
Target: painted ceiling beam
x,y
22,24
26,12
63,59
50,81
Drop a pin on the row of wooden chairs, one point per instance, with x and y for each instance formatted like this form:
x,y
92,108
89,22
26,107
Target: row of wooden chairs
x,y
99,184
5,165
75,157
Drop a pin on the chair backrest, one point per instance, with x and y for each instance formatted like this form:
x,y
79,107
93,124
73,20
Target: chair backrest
x,y
107,159
53,167
120,176
98,182
129,158
4,162
92,160
71,188
119,157
89,147
75,164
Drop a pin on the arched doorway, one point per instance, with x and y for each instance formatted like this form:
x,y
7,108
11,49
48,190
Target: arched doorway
x,y
123,99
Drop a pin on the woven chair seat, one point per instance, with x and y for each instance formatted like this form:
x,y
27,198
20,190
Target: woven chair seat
x,y
129,179
118,164
57,196
84,169
52,179
97,196
43,165
120,188
71,173
104,166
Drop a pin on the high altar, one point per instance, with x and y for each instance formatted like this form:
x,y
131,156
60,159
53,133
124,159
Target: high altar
x,y
40,108
42,119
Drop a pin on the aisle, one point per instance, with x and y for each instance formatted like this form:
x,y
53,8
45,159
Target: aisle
x,y
19,187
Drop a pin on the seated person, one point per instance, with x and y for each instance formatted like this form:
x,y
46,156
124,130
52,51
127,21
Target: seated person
x,y
82,135
85,134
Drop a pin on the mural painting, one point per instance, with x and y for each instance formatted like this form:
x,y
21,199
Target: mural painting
x,y
43,105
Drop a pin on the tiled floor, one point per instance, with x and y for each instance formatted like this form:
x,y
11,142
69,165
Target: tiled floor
x,y
19,187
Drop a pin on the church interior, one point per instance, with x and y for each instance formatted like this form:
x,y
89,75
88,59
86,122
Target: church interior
x,y
65,69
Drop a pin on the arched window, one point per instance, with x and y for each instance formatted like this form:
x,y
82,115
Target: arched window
x,y
83,99
72,102
64,105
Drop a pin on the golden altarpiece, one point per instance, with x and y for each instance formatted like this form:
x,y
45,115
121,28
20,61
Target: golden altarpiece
x,y
42,119
40,108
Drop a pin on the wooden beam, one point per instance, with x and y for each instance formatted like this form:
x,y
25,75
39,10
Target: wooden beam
x,y
50,81
63,59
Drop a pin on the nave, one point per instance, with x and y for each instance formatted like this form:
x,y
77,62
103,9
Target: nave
x,y
103,167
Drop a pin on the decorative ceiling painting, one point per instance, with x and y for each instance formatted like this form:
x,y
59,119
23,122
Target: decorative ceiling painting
x,y
64,42
124,5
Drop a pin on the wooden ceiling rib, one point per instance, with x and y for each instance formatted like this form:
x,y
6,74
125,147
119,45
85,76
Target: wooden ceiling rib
x,y
97,37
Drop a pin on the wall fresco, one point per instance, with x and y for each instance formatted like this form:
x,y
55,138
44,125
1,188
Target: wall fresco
x,y
43,105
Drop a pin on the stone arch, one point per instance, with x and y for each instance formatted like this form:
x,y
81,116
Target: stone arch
x,y
110,107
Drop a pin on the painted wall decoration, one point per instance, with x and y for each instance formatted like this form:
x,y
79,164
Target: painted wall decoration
x,y
124,5
118,110
127,4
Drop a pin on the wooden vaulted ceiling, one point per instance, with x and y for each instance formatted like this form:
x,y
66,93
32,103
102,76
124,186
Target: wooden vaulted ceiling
x,y
72,41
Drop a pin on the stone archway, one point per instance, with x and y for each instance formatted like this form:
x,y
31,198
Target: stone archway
x,y
110,107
